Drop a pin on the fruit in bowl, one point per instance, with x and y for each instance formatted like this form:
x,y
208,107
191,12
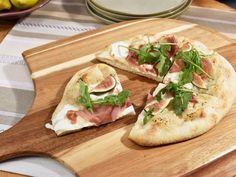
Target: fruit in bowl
x,y
24,4
17,4
5,4
14,9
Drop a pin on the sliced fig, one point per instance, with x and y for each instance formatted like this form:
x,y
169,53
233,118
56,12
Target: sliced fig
x,y
198,81
186,47
106,85
159,105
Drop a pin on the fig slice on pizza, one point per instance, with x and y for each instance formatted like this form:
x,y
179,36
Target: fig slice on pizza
x,y
94,96
195,94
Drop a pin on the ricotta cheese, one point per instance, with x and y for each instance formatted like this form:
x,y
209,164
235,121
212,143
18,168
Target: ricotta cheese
x,y
158,88
172,77
61,122
120,50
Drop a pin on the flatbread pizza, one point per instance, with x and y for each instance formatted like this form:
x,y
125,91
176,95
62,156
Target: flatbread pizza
x,y
196,86
195,90
94,96
195,94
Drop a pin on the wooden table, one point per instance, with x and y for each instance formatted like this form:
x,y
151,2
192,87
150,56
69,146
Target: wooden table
x,y
225,166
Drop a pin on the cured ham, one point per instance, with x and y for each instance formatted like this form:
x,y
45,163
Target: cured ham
x,y
133,61
207,66
101,113
198,81
150,98
177,66
174,47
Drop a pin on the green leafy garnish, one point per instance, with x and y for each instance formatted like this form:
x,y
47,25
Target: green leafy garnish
x,y
147,115
84,98
156,55
192,61
163,66
158,96
186,76
181,99
164,49
145,54
115,100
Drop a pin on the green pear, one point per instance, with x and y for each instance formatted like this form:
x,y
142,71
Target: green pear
x,y
5,4
24,4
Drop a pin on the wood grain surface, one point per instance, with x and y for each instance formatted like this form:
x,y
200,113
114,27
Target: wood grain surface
x,y
212,4
7,174
106,150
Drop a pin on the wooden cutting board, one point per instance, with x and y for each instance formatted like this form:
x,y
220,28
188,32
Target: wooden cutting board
x,y
106,150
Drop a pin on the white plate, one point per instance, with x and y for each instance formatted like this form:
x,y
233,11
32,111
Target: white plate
x,y
120,17
138,7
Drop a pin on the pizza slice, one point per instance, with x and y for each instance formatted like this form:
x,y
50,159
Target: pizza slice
x,y
197,92
94,96
145,55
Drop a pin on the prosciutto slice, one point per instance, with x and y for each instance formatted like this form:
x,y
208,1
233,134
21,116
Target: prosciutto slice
x,y
132,60
177,66
207,66
174,47
101,113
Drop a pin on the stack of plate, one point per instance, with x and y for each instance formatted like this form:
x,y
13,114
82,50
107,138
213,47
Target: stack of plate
x,y
112,11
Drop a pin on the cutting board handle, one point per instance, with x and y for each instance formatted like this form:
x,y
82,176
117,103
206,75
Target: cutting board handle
x,y
23,139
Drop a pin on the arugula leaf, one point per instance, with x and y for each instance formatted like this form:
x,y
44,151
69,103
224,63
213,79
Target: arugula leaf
x,y
151,54
164,49
145,54
181,97
115,100
147,115
84,98
186,76
163,66
158,96
197,60
192,60
181,101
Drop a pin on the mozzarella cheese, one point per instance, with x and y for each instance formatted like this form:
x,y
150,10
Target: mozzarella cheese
x,y
96,97
188,86
172,77
129,110
61,122
158,88
120,50
202,48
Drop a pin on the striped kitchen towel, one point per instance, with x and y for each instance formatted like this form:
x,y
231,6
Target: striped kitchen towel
x,y
59,19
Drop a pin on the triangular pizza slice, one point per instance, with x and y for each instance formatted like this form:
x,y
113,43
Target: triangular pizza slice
x,y
94,96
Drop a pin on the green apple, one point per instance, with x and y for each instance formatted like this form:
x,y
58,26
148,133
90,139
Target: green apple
x,y
5,4
24,4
